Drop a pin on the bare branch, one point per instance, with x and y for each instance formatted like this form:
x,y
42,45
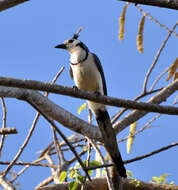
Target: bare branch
x,y
101,184
58,89
172,4
55,172
118,115
28,163
72,122
151,153
156,58
63,136
109,181
157,99
5,4
3,123
6,131
6,184
155,20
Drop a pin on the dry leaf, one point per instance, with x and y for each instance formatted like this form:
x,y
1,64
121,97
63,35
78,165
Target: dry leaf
x,y
140,35
175,76
122,22
172,70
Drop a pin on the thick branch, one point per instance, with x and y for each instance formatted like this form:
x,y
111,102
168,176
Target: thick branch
x,y
58,89
157,99
101,184
171,4
69,120
54,111
5,4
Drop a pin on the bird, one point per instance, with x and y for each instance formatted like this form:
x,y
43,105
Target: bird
x,y
87,72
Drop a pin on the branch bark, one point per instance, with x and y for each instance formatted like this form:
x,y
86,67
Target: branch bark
x,y
54,111
157,99
5,4
58,89
171,4
72,122
101,184
6,131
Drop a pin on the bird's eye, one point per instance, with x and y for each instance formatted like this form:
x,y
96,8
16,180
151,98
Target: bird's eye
x,y
70,41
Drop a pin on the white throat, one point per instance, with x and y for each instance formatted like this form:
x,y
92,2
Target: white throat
x,y
77,55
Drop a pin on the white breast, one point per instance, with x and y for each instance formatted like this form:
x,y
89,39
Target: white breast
x,y
86,75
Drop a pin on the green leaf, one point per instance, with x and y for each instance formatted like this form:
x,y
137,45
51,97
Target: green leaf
x,y
155,178
95,163
77,166
129,174
73,185
80,179
90,172
81,108
171,183
103,172
71,174
62,176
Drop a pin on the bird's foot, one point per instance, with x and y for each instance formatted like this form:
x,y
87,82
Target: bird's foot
x,y
75,88
97,93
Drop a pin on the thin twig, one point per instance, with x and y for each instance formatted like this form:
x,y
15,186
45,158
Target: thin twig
x,y
136,114
29,163
3,123
20,151
54,171
101,166
110,184
62,144
56,145
155,20
143,94
147,125
156,58
62,135
151,153
27,138
88,147
158,78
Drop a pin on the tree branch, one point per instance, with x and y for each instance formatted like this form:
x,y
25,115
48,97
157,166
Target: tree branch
x,y
53,111
58,89
5,4
157,99
101,184
171,4
6,131
151,153
74,123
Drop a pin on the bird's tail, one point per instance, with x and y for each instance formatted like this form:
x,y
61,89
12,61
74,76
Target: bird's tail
x,y
110,141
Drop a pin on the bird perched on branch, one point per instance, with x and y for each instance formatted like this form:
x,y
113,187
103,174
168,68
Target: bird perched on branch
x,y
87,72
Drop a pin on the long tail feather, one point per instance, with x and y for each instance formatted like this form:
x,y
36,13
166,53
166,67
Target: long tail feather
x,y
110,141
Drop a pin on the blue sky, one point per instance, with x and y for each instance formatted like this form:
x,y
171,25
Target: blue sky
x,y
29,33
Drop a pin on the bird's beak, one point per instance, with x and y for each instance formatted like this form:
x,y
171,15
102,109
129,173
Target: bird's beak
x,y
61,46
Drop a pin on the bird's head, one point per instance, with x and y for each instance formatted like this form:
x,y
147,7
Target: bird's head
x,y
72,45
